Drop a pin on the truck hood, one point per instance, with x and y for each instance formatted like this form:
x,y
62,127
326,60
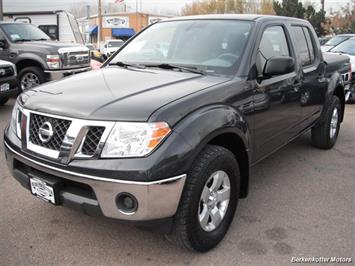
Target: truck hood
x,y
49,45
115,94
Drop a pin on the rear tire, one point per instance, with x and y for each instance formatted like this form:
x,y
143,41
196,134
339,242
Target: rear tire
x,y
3,100
190,227
30,77
325,134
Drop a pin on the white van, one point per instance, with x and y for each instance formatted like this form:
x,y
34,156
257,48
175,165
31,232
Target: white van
x,y
59,25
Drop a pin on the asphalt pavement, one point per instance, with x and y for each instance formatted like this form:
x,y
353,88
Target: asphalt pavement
x,y
301,204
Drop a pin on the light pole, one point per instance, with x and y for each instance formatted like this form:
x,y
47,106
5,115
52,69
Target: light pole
x,y
99,35
1,11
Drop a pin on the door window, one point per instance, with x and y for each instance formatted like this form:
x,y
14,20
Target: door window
x,y
273,43
303,45
309,44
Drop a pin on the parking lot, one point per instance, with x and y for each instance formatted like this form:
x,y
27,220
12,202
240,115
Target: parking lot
x,y
301,204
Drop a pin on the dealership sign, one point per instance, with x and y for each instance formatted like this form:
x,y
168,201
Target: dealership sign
x,y
115,22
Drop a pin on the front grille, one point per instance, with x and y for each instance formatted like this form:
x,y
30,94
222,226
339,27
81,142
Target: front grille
x,y
6,72
75,59
60,127
92,140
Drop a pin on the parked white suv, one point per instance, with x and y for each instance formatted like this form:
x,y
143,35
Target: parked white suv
x,y
110,47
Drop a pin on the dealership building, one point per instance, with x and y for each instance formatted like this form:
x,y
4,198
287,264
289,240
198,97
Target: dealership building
x,y
119,25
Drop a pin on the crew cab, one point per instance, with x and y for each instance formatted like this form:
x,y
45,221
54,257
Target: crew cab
x,y
8,81
165,132
37,58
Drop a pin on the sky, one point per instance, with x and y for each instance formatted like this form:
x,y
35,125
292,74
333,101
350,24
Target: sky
x,y
160,6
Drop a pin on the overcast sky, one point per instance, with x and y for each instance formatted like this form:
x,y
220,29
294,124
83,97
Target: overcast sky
x,y
144,5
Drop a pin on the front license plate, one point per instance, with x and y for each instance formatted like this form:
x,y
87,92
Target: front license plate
x,y
5,87
42,190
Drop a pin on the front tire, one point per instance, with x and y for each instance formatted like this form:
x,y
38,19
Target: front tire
x,y
209,200
325,134
30,77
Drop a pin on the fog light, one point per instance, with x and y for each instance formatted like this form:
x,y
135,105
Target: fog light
x,y
126,203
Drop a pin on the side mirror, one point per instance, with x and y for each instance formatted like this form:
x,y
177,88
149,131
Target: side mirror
x,y
279,65
3,44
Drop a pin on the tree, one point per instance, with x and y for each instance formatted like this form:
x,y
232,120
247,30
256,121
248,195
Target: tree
x,y
293,8
228,6
317,19
289,8
343,21
266,7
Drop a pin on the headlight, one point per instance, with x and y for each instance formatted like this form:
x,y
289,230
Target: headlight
x,y
53,61
129,139
16,120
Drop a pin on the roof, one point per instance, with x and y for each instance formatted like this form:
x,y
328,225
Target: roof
x,y
250,17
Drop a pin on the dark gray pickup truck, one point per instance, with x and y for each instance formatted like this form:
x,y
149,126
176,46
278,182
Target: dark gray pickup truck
x,y
37,58
166,131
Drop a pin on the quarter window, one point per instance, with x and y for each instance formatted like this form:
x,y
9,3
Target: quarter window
x,y
273,43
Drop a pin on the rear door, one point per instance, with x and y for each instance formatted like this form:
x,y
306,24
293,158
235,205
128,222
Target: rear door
x,y
277,111
313,83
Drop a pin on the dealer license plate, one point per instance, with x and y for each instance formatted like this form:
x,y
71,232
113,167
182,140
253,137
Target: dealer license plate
x,y
42,190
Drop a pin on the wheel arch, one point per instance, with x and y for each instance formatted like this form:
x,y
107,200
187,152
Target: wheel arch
x,y
219,125
335,87
27,62
339,92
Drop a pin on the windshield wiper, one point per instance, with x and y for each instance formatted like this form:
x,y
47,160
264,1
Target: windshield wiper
x,y
125,65
190,69
340,52
23,40
41,39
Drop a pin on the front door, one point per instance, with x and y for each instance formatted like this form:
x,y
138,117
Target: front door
x,y
277,111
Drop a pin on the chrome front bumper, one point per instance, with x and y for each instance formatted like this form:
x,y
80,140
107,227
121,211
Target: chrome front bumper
x,y
156,199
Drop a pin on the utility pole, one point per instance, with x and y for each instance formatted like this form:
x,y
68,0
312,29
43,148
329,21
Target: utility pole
x,y
322,3
99,35
1,11
87,11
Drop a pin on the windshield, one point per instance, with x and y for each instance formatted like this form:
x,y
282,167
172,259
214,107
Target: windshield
x,y
336,40
347,47
115,44
23,32
214,46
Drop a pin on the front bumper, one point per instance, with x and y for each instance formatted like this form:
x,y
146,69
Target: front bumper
x,y
156,199
350,91
59,74
13,86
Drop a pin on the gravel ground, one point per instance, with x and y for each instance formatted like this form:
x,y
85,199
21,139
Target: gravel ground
x,y
301,203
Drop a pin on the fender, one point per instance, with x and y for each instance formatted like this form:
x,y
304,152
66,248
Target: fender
x,y
31,56
334,81
206,123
